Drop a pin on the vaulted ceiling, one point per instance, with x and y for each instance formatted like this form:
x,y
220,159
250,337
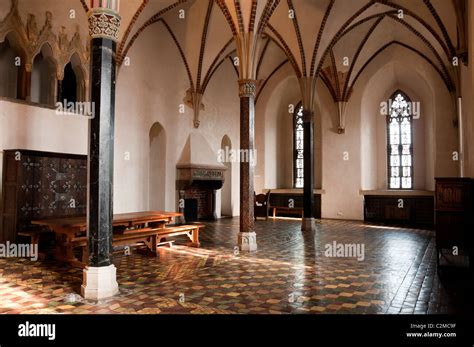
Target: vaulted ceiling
x,y
331,39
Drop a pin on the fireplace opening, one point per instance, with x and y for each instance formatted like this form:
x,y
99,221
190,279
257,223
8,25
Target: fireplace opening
x,y
191,210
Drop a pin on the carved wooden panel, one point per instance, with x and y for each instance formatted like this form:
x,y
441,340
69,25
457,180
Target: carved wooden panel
x,y
40,185
416,211
451,195
454,213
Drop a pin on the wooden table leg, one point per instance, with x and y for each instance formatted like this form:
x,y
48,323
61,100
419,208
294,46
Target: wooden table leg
x,y
195,238
64,251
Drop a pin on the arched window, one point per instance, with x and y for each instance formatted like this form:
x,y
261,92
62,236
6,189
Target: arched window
x,y
400,142
298,145
43,77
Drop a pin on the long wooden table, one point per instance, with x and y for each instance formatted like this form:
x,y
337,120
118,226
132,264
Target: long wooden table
x,y
68,229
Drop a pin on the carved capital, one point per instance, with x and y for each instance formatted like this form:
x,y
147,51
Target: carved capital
x,y
104,23
247,88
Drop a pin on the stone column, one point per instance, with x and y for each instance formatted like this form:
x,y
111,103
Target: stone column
x,y
307,85
247,238
100,275
60,91
308,187
24,82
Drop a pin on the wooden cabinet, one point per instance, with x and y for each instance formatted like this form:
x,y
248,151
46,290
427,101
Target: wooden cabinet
x,y
455,214
38,185
407,210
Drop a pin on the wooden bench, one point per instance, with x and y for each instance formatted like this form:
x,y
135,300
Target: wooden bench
x,y
151,237
289,210
34,234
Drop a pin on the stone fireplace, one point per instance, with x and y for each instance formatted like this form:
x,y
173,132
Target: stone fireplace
x,y
199,176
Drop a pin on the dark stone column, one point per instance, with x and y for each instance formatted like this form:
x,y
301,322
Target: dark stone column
x,y
60,92
100,275
308,193
24,82
247,237
101,152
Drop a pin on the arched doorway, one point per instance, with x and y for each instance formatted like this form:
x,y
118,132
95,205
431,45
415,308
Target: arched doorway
x,y
226,191
157,168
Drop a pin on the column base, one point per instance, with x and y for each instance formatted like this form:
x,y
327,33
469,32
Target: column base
x,y
308,224
247,241
99,282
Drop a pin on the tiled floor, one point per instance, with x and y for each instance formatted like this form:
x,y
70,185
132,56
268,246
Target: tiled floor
x,y
289,273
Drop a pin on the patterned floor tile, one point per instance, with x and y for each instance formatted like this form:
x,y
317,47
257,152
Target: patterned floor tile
x,y
289,273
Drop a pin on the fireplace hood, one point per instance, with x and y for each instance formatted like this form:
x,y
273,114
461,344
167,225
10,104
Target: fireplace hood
x,y
198,166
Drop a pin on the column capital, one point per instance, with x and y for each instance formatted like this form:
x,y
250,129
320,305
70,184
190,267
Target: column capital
x,y
247,88
104,23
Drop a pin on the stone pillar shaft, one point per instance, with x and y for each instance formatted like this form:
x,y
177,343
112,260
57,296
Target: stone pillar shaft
x,y
247,112
100,277
24,83
101,152
60,92
308,188
247,237
247,117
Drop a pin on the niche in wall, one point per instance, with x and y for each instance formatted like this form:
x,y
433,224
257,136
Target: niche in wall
x,y
72,87
157,168
8,70
43,77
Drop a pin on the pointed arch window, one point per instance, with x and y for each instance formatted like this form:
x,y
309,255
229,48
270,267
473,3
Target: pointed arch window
x,y
400,142
298,145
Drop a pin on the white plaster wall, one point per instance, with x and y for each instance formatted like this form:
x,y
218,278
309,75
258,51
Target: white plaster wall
x,y
468,95
435,138
341,178
274,133
147,95
434,135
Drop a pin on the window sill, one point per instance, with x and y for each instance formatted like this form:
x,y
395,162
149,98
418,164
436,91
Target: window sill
x,y
396,192
292,191
28,103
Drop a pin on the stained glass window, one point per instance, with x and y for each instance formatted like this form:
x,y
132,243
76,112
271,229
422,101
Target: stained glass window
x,y
400,146
298,148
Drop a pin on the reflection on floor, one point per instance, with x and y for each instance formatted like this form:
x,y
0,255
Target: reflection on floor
x,y
290,273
